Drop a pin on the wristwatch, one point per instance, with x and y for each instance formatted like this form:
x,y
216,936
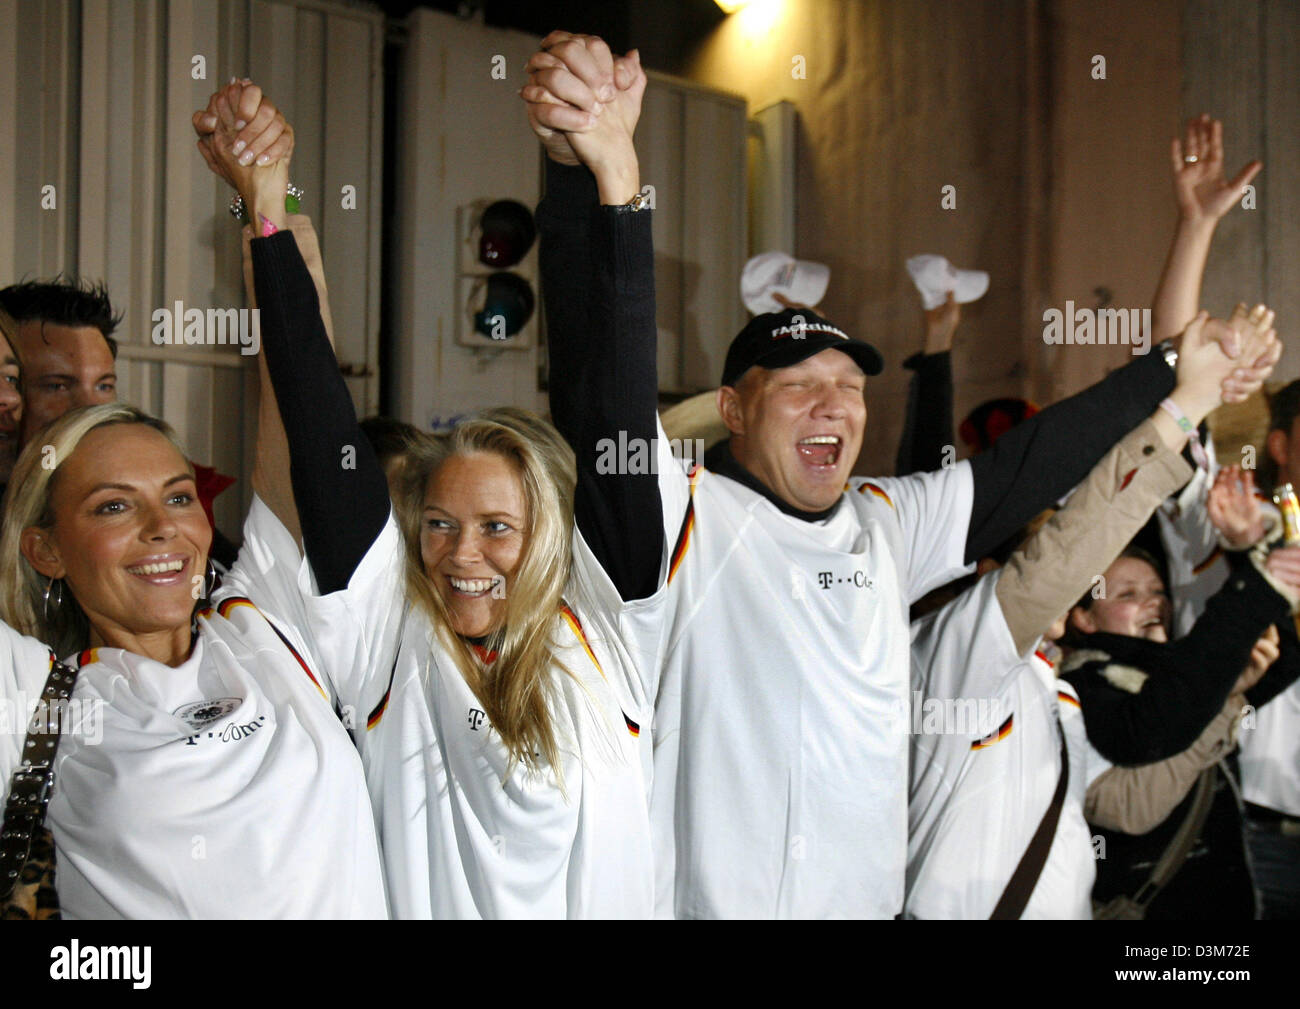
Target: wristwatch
x,y
639,202
1171,353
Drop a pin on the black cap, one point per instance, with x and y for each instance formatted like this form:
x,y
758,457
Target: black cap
x,y
780,339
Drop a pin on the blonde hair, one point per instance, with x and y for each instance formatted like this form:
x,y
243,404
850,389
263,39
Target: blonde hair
x,y
27,503
516,688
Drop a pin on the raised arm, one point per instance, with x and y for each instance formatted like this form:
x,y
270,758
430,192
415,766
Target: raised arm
x,y
339,487
1035,463
927,424
1195,675
1204,197
597,260
1057,564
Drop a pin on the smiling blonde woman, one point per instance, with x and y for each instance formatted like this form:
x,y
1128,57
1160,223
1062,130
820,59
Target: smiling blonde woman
x,y
201,771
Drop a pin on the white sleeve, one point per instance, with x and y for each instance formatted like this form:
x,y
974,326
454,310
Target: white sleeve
x,y
24,668
633,632
674,496
352,632
965,649
933,510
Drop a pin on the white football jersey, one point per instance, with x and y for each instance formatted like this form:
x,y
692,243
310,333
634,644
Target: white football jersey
x,y
222,788
780,767
976,800
465,835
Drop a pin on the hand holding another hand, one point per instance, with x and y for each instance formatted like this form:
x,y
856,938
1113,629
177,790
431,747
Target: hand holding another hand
x,y
245,140
584,103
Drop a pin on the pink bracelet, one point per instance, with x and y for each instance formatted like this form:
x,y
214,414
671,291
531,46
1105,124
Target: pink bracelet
x,y
268,229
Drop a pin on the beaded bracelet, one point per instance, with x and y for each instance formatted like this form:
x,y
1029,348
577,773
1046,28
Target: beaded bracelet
x,y
292,201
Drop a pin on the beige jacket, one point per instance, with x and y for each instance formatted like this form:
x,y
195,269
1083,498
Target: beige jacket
x,y
1136,800
1059,563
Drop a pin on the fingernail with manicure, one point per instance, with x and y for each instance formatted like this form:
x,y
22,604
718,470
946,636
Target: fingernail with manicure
x,y
240,124
237,148
247,159
265,159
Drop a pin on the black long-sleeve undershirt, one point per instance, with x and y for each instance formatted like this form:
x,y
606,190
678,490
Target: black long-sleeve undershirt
x,y
603,382
927,424
597,267
1036,462
342,508
1188,680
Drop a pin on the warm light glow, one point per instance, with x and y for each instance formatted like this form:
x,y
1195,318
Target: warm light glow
x,y
730,6
759,17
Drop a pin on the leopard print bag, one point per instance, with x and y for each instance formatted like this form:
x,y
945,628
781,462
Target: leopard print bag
x,y
34,897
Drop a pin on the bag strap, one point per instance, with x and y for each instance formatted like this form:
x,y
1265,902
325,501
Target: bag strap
x,y
1180,846
1011,905
32,783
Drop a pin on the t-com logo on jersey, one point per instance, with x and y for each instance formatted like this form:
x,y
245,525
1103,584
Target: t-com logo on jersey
x,y
857,579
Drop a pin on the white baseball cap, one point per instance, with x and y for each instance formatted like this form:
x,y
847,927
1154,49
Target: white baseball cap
x,y
934,277
796,280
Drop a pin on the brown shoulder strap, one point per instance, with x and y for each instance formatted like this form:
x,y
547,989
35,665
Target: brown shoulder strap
x,y
1011,905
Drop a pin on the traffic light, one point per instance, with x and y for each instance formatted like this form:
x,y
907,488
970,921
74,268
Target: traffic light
x,y
496,297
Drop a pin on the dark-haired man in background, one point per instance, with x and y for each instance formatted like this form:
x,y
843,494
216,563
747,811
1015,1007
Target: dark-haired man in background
x,y
65,341
64,338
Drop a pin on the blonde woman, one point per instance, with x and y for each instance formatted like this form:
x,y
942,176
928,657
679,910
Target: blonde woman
x,y
503,725
201,770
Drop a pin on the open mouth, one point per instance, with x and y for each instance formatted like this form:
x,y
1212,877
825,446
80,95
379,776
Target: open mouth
x,y
472,588
162,571
821,450
1153,629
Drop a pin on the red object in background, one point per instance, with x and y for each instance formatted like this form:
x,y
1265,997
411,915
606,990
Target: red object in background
x,y
209,484
991,420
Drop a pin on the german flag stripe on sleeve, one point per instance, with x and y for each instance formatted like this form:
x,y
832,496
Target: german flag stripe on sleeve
x,y
373,718
876,491
688,525
632,726
1002,732
1215,554
225,607
1061,695
572,619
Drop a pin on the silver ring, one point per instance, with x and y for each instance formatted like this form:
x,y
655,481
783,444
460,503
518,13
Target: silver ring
x,y
1191,159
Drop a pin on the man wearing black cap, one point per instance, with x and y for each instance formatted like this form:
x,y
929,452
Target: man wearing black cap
x,y
766,594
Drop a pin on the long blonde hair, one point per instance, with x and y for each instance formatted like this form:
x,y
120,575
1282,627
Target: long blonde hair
x,y
516,688
27,503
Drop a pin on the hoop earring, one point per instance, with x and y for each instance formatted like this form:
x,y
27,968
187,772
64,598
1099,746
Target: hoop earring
x,y
210,579
45,609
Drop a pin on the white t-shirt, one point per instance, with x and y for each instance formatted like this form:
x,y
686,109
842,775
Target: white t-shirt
x,y
977,797
779,774
460,837
1270,754
221,788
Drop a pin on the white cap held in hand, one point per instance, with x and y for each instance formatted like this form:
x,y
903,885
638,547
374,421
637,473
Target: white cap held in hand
x,y
934,277
797,280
